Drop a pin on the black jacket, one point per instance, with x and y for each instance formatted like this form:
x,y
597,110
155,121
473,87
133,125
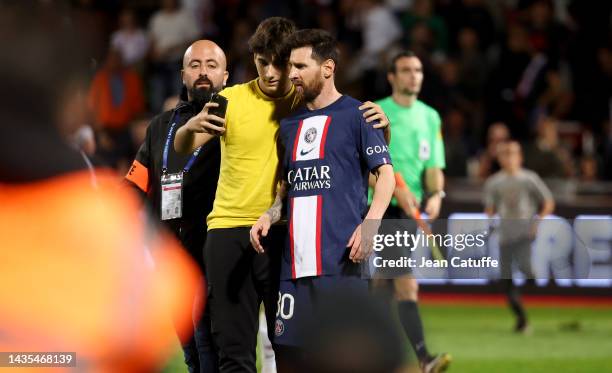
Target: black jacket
x,y
199,183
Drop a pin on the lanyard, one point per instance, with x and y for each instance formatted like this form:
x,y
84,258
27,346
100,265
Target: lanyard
x,y
167,146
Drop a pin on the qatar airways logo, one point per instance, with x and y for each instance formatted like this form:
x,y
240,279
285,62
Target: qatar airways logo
x,y
308,178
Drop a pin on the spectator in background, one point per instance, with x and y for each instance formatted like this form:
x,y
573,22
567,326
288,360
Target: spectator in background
x,y
502,101
450,93
601,91
242,70
556,98
171,30
87,17
422,41
115,98
380,27
455,144
546,156
472,70
380,30
130,40
590,60
349,25
588,169
203,13
497,134
328,20
546,34
473,64
422,14
542,87
399,6
472,14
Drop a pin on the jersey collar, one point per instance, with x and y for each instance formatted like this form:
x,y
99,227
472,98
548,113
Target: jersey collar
x,y
260,93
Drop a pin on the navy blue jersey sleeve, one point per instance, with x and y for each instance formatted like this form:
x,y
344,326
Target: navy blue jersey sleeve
x,y
373,147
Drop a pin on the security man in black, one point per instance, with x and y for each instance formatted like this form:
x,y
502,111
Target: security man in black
x,y
180,189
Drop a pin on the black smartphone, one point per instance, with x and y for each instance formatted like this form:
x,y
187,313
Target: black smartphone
x,y
221,109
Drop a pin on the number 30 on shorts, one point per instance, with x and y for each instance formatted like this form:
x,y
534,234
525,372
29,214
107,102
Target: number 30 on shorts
x,y
285,305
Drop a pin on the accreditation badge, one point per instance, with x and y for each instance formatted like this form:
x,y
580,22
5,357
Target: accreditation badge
x,y
171,196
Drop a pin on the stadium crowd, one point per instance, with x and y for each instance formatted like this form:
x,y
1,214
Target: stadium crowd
x,y
535,70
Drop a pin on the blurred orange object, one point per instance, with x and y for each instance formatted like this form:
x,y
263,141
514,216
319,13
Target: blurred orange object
x,y
81,271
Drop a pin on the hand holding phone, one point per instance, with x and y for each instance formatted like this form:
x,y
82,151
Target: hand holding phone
x,y
211,119
221,109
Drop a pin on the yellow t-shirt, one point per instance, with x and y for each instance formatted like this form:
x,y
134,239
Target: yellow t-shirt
x,y
249,158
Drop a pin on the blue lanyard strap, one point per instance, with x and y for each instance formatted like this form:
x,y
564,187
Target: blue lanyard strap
x,y
167,146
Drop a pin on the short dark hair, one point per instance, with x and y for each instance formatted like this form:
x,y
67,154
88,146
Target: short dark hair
x,y
405,53
324,46
269,37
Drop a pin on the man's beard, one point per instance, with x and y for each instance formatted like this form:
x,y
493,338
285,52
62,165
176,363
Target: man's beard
x,y
309,93
200,96
409,92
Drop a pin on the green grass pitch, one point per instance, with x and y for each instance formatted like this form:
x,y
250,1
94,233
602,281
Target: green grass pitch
x,y
480,339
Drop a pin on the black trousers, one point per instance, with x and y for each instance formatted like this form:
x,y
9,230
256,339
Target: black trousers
x,y
199,350
239,279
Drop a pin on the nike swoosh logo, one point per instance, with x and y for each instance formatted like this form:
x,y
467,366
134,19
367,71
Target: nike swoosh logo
x,y
302,152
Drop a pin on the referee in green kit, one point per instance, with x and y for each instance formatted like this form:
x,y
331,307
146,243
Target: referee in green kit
x,y
417,151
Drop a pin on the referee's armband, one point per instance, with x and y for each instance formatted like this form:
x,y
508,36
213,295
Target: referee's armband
x,y
139,175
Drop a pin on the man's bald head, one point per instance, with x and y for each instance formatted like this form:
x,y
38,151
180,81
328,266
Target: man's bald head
x,y
206,48
204,70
